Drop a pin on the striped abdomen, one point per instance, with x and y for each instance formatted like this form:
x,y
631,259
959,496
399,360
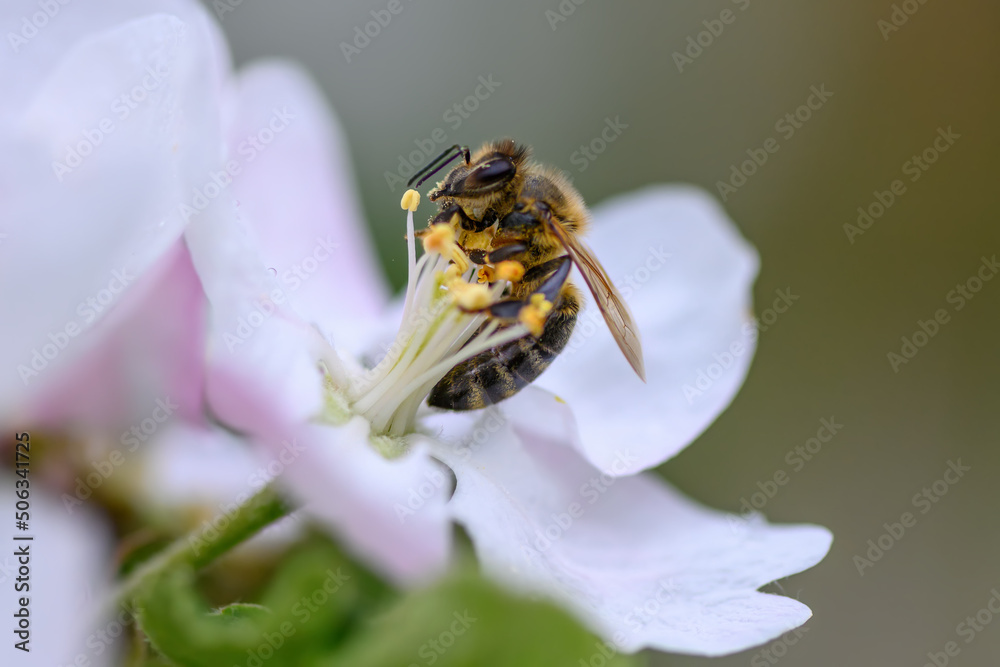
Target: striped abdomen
x,y
501,372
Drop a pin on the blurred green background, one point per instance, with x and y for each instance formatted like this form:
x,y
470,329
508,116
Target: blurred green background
x,y
827,356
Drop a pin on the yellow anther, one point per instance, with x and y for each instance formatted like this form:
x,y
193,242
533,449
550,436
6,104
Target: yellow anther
x,y
534,314
439,238
411,200
470,296
510,270
452,273
486,274
459,258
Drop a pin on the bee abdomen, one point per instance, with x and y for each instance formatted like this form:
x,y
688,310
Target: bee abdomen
x,y
501,372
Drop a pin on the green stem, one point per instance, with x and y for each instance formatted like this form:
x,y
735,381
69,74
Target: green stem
x,y
203,546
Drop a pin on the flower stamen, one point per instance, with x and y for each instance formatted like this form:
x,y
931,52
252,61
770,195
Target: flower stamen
x,y
445,322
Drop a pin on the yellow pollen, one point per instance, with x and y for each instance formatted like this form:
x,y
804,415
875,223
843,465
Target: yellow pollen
x,y
469,296
510,270
535,313
411,200
486,274
452,273
439,238
539,301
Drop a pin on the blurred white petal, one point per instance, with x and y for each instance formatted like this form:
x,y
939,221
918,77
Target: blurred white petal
x,y
71,565
297,194
105,144
149,351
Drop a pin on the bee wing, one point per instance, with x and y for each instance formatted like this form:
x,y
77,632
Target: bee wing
x,y
609,300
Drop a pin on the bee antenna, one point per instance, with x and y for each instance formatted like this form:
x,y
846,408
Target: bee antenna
x,y
431,169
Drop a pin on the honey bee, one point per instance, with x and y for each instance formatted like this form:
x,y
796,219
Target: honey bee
x,y
506,207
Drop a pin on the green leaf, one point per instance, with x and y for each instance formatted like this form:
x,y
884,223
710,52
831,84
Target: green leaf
x,y
309,600
181,627
468,622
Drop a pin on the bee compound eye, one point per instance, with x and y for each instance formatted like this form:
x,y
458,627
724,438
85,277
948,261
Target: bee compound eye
x,y
494,171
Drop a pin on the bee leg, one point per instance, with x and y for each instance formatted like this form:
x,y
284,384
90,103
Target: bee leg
x,y
500,254
559,268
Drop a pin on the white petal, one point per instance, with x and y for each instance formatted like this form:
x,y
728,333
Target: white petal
x,y
41,34
296,191
262,370
70,564
390,513
637,561
88,234
687,276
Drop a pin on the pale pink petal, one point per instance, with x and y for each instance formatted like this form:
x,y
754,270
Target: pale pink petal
x,y
148,353
296,191
82,234
637,561
261,365
687,276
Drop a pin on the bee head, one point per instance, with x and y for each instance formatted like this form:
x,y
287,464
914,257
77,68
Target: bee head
x,y
477,180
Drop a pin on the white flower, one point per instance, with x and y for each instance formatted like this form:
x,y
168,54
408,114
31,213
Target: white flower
x,y
110,116
288,272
